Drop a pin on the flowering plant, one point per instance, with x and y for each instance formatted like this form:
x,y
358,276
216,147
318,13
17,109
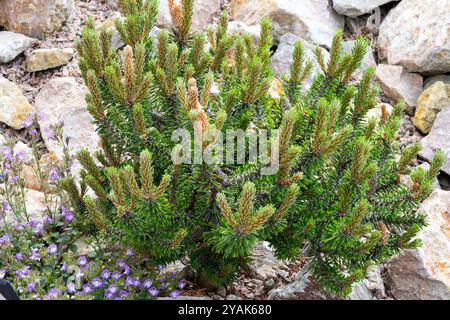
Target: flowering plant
x,y
39,242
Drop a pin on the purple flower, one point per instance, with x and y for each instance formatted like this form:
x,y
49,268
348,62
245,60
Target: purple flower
x,y
35,256
182,284
97,283
71,288
109,294
53,293
129,252
174,294
7,206
116,275
14,179
50,134
52,249
120,263
82,261
5,240
7,153
31,286
19,227
27,122
148,283
47,219
136,282
19,256
87,289
54,175
20,156
153,291
113,288
31,223
38,228
34,132
64,267
123,294
22,273
129,281
105,274
67,214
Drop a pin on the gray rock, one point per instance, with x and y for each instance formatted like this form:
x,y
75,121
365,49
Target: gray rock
x,y
423,273
64,99
282,58
415,34
36,18
264,263
12,44
312,20
438,138
429,81
397,84
354,8
303,287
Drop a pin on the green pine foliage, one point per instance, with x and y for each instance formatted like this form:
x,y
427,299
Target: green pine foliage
x,y
336,198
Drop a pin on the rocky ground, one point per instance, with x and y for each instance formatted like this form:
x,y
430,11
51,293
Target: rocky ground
x,y
409,43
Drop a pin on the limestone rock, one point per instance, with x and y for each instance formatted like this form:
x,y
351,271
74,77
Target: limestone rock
x,y
429,81
424,273
14,107
12,44
43,59
354,8
204,11
263,262
312,20
35,18
397,84
429,104
303,287
439,138
416,35
64,99
282,58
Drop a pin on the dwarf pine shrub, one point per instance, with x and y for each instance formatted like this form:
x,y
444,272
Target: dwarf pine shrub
x,y
335,197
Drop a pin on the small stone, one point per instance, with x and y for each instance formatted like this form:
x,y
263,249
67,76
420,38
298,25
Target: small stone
x,y
12,44
354,8
14,107
222,292
438,139
263,261
233,297
429,104
269,284
43,59
399,85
